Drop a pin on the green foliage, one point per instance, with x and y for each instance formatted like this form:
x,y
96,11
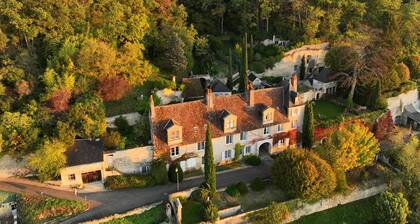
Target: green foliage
x,y
114,141
350,147
258,184
209,166
49,159
413,64
176,60
159,173
252,160
243,75
302,68
129,181
303,174
341,58
41,209
238,149
233,191
392,208
201,195
308,127
172,174
151,216
87,116
65,132
141,131
211,212
122,125
275,213
242,188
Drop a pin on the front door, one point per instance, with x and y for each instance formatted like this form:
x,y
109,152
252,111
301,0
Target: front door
x,y
91,176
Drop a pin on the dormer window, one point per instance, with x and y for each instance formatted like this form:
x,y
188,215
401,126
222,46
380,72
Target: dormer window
x,y
229,121
174,135
174,132
267,115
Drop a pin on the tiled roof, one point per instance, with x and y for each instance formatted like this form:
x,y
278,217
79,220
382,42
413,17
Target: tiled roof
x,y
85,151
193,116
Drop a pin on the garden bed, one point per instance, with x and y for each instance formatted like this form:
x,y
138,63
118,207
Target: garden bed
x,y
41,209
192,212
151,216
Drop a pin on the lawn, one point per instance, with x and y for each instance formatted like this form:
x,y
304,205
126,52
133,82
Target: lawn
x,y
359,212
327,110
228,166
259,199
154,215
192,212
42,209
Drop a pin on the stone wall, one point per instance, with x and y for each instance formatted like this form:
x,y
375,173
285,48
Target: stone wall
x,y
396,104
131,118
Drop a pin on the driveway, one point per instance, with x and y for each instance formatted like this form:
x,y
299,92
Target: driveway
x,y
124,200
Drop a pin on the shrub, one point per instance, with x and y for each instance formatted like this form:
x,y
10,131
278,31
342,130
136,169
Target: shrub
x,y
128,181
258,184
276,213
242,188
232,191
258,67
122,125
342,185
403,71
391,208
172,173
238,148
211,212
201,195
252,160
159,173
113,140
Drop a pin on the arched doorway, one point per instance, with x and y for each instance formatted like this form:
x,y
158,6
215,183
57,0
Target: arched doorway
x,y
264,150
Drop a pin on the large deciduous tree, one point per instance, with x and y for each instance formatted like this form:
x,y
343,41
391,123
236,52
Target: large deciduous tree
x,y
113,88
209,166
303,174
351,146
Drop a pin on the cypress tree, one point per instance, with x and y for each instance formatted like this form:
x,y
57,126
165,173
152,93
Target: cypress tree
x,y
375,94
243,82
229,76
302,68
308,127
209,167
251,50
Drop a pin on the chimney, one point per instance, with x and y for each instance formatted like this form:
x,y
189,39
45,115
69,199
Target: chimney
x,y
294,82
251,97
209,98
152,107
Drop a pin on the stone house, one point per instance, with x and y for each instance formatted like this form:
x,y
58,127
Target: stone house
x,y
324,82
261,121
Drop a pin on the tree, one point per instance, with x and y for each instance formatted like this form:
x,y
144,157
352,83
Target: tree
x,y
243,79
113,88
23,88
275,213
230,72
159,173
209,167
308,127
64,132
302,69
267,7
391,208
303,174
175,59
49,159
96,59
173,175
351,146
375,96
59,100
87,116
114,141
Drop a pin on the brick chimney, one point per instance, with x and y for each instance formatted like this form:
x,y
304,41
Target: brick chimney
x,y
209,98
294,82
251,97
152,107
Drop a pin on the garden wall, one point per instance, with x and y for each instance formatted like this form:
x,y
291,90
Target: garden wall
x,y
129,161
307,209
131,118
396,104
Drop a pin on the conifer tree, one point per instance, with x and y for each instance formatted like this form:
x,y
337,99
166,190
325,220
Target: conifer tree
x,y
209,167
308,127
302,68
229,76
243,82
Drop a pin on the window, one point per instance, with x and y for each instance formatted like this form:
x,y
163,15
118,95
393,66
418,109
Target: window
x,y
280,127
281,142
72,177
231,124
247,149
295,68
229,139
175,151
144,169
228,154
201,146
266,130
268,116
244,135
294,123
174,135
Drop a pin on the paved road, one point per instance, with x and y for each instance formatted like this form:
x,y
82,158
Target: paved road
x,y
124,200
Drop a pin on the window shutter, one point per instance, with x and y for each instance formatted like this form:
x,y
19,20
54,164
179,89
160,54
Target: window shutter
x,y
223,155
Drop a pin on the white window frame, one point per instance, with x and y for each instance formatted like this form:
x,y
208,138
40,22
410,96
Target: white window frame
x,y
281,141
201,145
228,154
280,128
244,135
71,177
174,151
229,139
266,131
248,149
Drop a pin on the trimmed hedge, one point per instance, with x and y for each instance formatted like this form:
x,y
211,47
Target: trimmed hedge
x,y
252,160
233,191
129,181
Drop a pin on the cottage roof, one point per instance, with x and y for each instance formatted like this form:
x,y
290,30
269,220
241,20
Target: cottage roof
x,y
193,116
218,86
85,151
325,75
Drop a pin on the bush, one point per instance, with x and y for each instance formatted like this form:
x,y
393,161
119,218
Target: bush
x,y
258,67
201,195
128,181
391,208
258,184
252,160
276,213
242,188
342,185
172,173
122,125
211,212
238,148
159,173
113,140
233,191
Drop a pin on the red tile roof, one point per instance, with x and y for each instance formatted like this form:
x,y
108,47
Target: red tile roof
x,y
193,116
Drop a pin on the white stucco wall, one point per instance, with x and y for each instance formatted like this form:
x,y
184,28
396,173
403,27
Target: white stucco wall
x,y
285,67
129,161
131,118
77,171
296,114
397,104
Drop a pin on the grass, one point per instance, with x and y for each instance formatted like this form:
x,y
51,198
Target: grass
x,y
41,209
6,197
192,212
154,215
326,110
359,212
228,166
193,173
254,200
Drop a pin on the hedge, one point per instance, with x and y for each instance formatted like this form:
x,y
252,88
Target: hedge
x,y
128,181
252,160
